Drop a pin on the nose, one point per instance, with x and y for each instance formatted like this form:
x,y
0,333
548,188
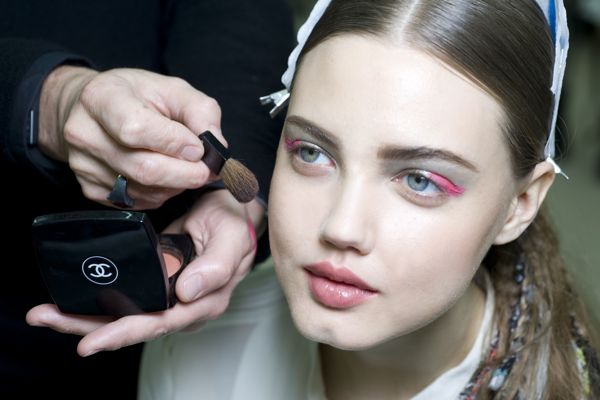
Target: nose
x,y
347,225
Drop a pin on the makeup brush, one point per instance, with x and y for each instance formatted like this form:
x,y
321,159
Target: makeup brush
x,y
238,179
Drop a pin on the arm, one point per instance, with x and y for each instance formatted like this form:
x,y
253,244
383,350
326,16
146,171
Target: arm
x,y
24,65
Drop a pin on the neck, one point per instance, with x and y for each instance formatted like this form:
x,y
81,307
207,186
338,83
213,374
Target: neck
x,y
402,367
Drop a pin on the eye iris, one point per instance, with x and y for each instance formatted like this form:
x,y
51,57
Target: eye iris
x,y
309,154
417,182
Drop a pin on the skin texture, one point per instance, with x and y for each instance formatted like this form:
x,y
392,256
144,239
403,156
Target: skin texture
x,y
127,121
362,204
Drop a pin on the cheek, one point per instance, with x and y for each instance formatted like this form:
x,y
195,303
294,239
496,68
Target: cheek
x,y
292,210
432,255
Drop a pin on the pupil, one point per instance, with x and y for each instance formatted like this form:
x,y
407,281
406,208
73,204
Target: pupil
x,y
309,154
417,182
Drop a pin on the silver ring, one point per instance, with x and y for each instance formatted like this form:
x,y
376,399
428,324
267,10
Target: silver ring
x,y
118,196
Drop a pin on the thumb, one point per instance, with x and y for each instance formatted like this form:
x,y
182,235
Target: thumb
x,y
211,269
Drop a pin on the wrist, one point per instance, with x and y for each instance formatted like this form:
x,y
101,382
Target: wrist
x,y
256,214
254,211
60,91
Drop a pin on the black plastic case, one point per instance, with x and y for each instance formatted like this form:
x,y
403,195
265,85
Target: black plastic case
x,y
107,262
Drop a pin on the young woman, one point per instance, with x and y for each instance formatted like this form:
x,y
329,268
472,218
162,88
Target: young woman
x,y
405,220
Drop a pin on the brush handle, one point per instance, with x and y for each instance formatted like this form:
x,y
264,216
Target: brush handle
x,y
215,154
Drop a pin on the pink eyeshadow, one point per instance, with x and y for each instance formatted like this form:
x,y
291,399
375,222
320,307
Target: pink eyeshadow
x,y
450,188
290,144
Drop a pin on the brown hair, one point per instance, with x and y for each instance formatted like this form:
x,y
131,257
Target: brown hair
x,y
504,46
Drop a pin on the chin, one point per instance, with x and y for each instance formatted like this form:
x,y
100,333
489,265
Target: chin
x,y
326,330
340,340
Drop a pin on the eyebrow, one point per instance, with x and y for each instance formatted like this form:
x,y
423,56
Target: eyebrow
x,y
423,153
317,132
386,152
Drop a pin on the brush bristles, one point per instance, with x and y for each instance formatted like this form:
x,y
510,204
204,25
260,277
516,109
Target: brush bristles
x,y
239,180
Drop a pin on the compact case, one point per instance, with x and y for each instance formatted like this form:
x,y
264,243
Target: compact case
x,y
107,262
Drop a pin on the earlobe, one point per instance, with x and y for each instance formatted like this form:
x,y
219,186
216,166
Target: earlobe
x,y
526,203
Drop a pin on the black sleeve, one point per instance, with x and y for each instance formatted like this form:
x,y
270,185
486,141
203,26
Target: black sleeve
x,y
24,65
234,51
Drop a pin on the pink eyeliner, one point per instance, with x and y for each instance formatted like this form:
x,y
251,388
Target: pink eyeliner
x,y
290,144
448,187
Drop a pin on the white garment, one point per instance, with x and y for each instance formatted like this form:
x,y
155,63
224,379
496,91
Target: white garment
x,y
254,351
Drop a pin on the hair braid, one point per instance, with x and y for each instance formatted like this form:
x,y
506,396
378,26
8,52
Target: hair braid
x,y
528,278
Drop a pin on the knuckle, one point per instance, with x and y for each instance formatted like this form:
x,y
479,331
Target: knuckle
x,y
199,178
91,192
71,132
225,274
159,332
212,108
76,164
89,93
94,90
219,309
179,82
172,140
146,172
131,131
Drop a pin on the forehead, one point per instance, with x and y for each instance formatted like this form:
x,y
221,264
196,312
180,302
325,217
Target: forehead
x,y
371,89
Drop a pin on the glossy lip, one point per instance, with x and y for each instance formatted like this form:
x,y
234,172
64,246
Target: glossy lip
x,y
337,288
326,270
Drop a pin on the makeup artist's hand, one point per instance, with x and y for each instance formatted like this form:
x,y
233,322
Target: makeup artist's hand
x,y
132,122
223,232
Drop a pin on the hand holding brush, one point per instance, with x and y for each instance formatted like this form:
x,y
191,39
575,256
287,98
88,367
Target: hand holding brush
x,y
238,179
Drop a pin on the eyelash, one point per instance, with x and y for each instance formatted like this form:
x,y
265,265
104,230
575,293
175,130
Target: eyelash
x,y
295,147
444,188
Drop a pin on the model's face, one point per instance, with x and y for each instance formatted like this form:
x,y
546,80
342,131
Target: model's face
x,y
392,181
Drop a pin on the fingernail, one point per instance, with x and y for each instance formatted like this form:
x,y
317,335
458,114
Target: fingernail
x,y
91,352
192,288
192,153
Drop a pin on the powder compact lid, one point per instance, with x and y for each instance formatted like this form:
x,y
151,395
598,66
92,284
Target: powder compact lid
x,y
107,262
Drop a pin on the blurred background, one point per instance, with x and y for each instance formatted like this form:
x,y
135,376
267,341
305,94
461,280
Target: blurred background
x,y
574,204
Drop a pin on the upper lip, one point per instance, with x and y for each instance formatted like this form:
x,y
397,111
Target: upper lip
x,y
338,274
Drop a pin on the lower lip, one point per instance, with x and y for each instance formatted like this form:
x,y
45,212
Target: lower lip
x,y
336,295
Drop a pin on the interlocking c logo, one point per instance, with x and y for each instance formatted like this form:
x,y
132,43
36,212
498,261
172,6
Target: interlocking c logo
x,y
99,270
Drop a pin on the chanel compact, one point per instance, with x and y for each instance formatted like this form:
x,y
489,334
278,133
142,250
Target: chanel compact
x,y
108,262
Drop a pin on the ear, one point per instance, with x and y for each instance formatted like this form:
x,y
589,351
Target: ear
x,y
527,202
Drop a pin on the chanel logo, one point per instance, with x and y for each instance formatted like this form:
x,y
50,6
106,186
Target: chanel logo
x,y
99,270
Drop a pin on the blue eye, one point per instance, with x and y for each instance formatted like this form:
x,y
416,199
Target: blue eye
x,y
311,155
419,183
425,188
308,159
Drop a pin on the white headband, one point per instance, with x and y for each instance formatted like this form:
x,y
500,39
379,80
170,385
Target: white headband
x,y
555,13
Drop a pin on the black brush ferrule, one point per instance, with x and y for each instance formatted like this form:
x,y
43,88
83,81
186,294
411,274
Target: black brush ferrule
x,y
215,154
